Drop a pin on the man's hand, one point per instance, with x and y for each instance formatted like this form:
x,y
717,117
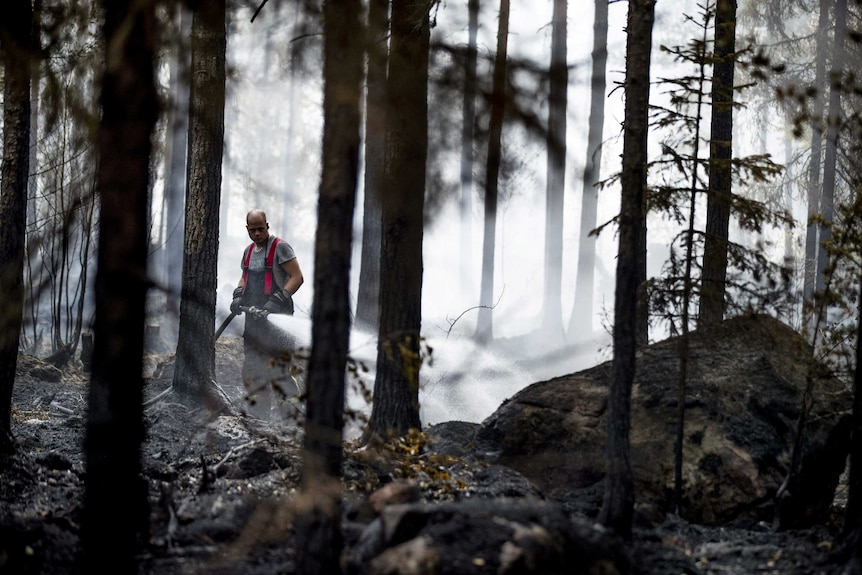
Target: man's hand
x,y
237,301
278,302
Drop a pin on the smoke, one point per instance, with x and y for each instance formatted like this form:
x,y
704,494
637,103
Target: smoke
x,y
459,380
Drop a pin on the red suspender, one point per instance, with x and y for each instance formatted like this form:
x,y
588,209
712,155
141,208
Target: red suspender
x,y
245,267
270,259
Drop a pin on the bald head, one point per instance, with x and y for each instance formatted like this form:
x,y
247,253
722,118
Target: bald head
x,y
258,228
256,214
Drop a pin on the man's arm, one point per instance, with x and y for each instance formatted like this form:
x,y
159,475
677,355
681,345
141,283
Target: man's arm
x,y
294,275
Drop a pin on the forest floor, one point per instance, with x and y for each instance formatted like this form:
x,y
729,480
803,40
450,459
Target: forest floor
x,y
223,507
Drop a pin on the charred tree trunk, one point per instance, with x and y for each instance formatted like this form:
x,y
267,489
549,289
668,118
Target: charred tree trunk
x,y
318,523
714,281
618,503
115,503
396,385
15,43
194,371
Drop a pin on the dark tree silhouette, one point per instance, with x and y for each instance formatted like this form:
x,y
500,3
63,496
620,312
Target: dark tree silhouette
x,y
485,321
176,143
15,43
396,385
853,511
714,275
552,310
115,505
318,521
194,371
830,152
815,165
368,299
582,313
618,503
468,129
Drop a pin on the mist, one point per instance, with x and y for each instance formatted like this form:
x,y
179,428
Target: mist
x,y
459,380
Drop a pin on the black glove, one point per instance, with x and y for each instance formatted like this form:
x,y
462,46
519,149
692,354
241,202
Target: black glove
x,y
237,301
279,302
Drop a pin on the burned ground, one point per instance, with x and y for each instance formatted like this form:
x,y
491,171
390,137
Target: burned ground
x,y
222,490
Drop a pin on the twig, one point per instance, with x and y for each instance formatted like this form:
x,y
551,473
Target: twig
x,y
159,397
454,321
62,409
259,8
231,452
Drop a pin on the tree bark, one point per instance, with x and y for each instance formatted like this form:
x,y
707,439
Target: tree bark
x,y
618,503
581,321
830,152
318,522
485,321
853,511
815,167
115,504
176,168
368,299
396,385
15,43
468,125
194,372
714,276
552,312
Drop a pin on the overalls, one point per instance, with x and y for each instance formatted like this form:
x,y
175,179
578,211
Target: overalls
x,y
264,366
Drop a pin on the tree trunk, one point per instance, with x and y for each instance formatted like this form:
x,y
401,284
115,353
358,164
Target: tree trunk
x,y
115,505
552,312
485,321
288,197
714,280
368,299
175,166
618,502
15,44
853,511
396,385
830,156
581,321
194,371
318,523
468,124
688,281
814,165
33,271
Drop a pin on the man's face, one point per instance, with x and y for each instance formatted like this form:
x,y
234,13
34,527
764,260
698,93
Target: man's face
x,y
258,229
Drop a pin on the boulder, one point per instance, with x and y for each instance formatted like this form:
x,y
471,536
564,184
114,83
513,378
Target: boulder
x,y
505,536
745,386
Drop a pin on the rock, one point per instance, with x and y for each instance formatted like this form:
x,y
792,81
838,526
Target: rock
x,y
395,493
459,439
484,536
746,380
39,369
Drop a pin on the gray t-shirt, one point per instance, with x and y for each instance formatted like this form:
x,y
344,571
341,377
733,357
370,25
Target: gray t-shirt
x,y
283,253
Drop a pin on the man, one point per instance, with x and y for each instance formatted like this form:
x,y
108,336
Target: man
x,y
270,276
